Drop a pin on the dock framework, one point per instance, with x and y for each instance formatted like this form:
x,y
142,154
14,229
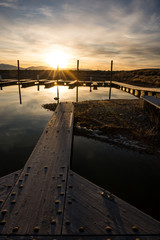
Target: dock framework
x,y
47,200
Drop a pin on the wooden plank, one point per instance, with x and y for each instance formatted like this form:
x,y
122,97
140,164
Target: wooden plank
x,y
88,212
6,184
152,100
28,83
149,89
55,237
40,190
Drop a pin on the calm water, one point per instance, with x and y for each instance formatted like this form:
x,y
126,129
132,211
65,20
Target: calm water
x,y
130,175
22,124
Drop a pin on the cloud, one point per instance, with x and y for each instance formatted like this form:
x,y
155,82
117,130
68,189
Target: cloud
x,y
95,31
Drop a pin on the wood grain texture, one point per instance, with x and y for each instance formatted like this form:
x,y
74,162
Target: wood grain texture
x,y
152,100
149,89
91,213
6,184
42,181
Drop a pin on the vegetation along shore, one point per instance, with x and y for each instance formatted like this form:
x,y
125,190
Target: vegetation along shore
x,y
121,122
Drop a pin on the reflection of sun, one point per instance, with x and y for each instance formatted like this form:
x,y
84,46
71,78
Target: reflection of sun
x,y
57,58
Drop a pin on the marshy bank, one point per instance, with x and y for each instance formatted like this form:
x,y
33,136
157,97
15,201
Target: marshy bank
x,y
122,122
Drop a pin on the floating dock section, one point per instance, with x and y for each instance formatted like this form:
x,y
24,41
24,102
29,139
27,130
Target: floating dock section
x,y
47,200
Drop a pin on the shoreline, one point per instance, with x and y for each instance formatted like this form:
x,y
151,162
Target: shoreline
x,y
119,122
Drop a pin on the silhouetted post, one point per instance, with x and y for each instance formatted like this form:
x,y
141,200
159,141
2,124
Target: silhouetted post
x,y
77,80
57,84
90,84
110,80
20,99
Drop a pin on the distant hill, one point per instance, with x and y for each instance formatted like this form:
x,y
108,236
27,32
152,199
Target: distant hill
x,y
39,68
8,67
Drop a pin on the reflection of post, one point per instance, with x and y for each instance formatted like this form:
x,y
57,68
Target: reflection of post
x,y
20,99
110,80
90,84
57,84
57,94
1,88
38,83
77,80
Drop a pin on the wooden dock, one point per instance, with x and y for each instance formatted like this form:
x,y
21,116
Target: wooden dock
x,y
47,200
137,90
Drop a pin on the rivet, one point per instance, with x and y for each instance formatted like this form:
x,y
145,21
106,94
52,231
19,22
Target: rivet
x,y
63,180
81,229
70,186
69,201
13,201
61,193
61,174
63,167
15,229
102,193
4,211
59,211
29,166
13,193
53,221
16,174
26,174
108,229
36,229
57,131
20,180
134,228
59,186
56,201
9,186
68,222
45,166
1,201
21,186
3,222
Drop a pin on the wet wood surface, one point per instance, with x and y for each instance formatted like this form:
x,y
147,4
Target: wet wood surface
x,y
47,200
35,204
152,100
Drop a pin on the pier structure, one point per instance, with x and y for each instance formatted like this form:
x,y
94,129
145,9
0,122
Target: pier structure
x,y
46,200
137,90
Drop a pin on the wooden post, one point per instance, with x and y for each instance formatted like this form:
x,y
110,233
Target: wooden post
x,y
38,82
19,88
77,65
110,80
77,80
90,84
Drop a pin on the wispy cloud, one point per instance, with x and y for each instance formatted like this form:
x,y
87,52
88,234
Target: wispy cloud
x,y
94,31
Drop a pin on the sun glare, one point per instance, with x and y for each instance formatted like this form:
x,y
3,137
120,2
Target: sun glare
x,y
57,58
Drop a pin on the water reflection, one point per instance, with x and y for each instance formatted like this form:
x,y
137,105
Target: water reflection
x,y
130,175
22,124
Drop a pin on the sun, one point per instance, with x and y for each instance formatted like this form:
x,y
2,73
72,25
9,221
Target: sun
x,y
57,58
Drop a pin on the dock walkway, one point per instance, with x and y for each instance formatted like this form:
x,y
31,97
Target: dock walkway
x,y
138,91
47,200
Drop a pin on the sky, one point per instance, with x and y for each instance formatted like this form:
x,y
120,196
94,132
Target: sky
x,y
37,32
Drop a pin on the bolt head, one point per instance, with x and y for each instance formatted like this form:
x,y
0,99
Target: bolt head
x,y
134,228
4,211
59,211
15,229
3,222
108,229
81,229
36,229
53,221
